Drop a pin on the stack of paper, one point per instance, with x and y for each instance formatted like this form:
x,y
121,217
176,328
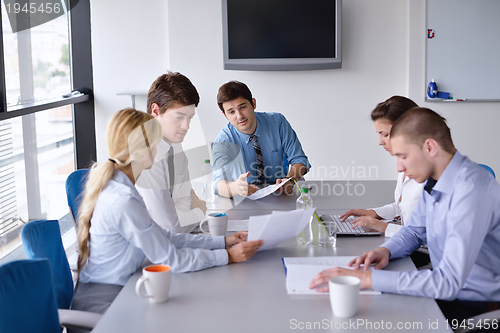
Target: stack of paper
x,y
278,227
301,270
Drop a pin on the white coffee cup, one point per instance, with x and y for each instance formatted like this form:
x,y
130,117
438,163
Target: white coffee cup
x,y
156,279
217,224
344,295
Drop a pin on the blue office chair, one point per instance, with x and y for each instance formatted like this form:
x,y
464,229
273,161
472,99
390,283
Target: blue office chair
x,y
27,302
42,239
75,184
489,169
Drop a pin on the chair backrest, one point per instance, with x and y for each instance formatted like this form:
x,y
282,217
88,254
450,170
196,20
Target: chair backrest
x,y
42,239
489,169
75,184
27,302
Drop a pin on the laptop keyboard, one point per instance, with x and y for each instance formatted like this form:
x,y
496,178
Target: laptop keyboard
x,y
347,226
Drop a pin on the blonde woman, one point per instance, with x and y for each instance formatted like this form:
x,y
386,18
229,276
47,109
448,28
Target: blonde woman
x,y
115,232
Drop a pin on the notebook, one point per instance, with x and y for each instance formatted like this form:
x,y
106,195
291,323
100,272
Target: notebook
x,y
301,270
346,229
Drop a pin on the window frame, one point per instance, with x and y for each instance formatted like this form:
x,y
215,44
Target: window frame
x,y
81,76
83,110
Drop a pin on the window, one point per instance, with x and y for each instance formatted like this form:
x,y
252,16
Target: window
x,y
41,130
38,57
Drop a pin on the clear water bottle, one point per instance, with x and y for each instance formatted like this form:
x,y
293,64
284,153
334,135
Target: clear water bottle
x,y
208,191
304,201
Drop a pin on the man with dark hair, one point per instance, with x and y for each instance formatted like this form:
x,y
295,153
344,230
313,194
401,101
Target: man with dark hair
x,y
457,216
166,187
267,144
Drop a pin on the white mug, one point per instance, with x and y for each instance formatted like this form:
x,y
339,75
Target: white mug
x,y
344,295
156,279
217,224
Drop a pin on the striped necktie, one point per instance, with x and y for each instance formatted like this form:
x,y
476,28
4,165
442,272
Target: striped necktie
x,y
171,171
260,161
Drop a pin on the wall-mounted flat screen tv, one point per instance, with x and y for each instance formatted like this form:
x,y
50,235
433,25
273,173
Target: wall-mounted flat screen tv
x,y
284,35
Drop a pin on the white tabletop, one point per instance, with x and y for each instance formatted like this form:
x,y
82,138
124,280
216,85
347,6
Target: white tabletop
x,y
333,197
252,297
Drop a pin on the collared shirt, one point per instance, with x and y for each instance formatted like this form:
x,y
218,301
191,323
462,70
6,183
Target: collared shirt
x,y
172,212
233,152
122,234
409,191
460,223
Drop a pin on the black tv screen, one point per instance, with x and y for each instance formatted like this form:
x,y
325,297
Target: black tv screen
x,y
282,34
281,29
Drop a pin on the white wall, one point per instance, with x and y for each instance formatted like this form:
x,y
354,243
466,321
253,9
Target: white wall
x,y
383,55
129,49
329,109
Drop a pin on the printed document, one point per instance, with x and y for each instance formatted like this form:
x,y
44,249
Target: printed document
x,y
264,192
277,227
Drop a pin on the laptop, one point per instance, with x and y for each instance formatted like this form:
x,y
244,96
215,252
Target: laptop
x,y
346,228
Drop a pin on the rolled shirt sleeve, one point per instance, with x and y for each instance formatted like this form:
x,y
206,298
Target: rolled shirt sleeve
x,y
228,161
291,144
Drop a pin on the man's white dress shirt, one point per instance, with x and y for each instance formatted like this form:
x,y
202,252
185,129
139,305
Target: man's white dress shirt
x,y
170,211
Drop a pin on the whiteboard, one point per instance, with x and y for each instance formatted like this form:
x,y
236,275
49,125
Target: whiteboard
x,y
464,55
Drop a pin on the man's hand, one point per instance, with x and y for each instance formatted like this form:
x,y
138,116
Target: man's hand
x,y
359,212
197,202
368,221
243,251
287,188
323,278
241,186
380,256
239,237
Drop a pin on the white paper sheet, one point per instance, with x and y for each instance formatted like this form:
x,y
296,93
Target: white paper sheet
x,y
301,270
237,225
278,227
264,192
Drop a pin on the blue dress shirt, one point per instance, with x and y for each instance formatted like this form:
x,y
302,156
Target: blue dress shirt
x,y
233,152
460,222
122,234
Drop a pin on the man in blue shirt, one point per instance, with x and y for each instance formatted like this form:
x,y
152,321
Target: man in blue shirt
x,y
255,148
457,216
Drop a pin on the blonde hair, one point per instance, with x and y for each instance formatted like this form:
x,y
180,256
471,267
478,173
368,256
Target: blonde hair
x,y
131,134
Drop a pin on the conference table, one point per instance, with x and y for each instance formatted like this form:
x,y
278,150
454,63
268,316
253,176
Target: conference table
x,y
252,296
